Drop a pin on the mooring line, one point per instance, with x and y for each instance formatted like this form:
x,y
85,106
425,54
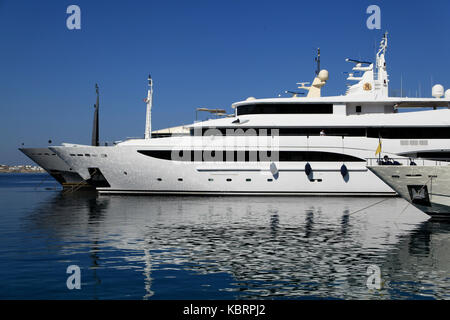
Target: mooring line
x,y
372,205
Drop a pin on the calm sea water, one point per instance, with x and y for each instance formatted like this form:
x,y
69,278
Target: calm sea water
x,y
164,247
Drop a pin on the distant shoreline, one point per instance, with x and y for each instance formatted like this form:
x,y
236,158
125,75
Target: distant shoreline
x,y
30,172
21,169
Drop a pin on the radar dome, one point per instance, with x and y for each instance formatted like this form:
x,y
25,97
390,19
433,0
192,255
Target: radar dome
x,y
447,94
437,91
323,75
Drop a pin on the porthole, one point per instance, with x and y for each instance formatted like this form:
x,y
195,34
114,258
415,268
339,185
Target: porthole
x,y
248,180
229,179
210,179
269,180
180,179
159,179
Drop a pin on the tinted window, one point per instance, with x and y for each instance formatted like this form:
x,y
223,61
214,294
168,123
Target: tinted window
x,y
251,156
410,133
284,108
386,133
355,132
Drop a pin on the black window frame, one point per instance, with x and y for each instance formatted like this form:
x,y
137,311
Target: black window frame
x,y
285,108
283,156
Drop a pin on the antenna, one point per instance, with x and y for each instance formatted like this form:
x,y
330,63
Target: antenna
x,y
293,93
401,85
358,61
317,60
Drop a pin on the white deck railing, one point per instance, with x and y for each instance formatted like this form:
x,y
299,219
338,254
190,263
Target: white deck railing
x,y
404,162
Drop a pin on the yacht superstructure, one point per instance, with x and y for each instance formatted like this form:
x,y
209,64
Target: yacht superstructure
x,y
278,146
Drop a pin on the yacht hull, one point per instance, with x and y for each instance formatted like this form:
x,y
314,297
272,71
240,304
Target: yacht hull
x,y
56,167
425,187
125,170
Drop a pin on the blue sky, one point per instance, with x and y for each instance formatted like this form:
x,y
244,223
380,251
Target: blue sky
x,y
199,53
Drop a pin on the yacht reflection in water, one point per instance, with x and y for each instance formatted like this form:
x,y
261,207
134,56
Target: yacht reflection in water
x,y
267,247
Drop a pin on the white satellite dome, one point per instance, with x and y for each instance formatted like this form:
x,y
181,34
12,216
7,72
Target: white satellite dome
x,y
323,75
437,91
447,94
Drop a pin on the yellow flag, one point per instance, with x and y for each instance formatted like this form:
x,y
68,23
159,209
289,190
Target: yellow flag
x,y
378,149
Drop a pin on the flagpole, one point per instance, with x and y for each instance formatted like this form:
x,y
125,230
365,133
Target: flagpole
x,y
148,122
379,144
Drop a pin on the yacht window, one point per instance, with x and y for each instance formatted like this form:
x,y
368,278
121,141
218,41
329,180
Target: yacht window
x,y
253,156
285,108
248,180
431,155
228,179
159,179
354,132
358,109
410,133
370,132
180,179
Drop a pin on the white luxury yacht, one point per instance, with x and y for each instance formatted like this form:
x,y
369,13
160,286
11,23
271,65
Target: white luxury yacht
x,y
279,146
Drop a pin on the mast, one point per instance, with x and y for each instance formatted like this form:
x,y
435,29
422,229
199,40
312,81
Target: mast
x,y
383,78
148,122
95,128
314,91
318,61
